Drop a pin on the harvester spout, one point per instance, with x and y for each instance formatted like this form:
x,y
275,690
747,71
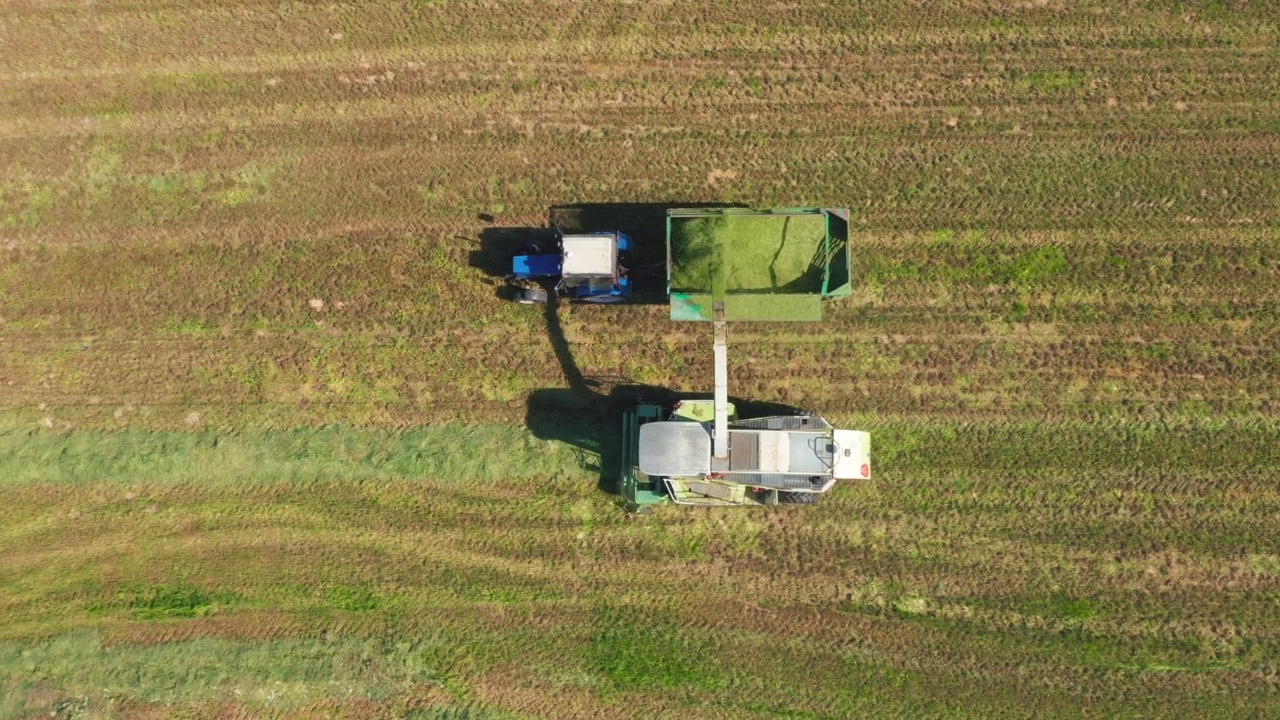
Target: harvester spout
x,y
720,448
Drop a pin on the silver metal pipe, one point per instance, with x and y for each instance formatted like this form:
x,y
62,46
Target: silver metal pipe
x,y
720,438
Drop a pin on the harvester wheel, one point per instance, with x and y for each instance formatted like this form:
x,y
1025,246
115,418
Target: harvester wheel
x,y
797,498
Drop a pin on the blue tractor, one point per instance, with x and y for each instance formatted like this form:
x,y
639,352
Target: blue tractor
x,y
585,267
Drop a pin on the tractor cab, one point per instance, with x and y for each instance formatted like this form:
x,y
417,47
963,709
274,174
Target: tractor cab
x,y
585,267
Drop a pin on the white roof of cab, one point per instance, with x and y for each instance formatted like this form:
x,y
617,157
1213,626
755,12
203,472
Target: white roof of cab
x,y
589,255
675,449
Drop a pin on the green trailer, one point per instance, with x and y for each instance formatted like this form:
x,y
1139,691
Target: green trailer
x,y
776,265
735,265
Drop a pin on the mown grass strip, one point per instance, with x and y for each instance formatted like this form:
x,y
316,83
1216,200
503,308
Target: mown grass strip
x,y
261,457
904,447
267,674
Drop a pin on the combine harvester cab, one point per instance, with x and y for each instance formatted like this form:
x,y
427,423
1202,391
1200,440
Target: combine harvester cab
x,y
585,267
726,265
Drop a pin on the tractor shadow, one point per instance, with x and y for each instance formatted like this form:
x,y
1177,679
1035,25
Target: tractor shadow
x,y
498,245
644,223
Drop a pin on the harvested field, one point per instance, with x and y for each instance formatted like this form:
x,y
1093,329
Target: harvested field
x,y
271,445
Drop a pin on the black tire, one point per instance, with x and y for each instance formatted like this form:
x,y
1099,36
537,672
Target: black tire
x,y
532,296
798,498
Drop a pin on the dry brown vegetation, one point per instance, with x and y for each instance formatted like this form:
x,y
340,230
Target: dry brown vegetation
x,y
1063,335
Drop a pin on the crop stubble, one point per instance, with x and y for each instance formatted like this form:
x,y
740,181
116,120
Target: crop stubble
x,y
1063,335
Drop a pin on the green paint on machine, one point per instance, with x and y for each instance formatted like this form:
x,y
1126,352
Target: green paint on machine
x,y
743,308
638,492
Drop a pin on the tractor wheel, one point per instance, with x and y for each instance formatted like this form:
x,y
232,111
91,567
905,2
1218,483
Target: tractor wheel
x,y
532,296
797,498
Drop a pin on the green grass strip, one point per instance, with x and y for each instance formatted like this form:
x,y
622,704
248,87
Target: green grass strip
x,y
465,454
259,456
276,674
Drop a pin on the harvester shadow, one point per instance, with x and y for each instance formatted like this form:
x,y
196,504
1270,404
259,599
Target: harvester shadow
x,y
587,413
590,420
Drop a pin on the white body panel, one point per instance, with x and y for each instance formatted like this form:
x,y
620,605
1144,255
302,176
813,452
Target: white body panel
x,y
775,452
853,455
721,354
679,449
589,256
